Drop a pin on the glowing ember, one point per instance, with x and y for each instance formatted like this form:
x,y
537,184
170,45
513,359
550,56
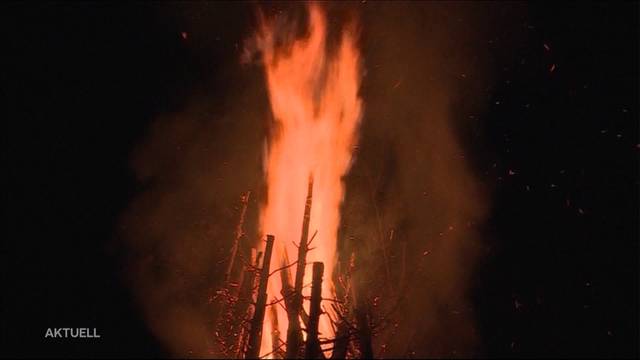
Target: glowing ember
x,y
315,104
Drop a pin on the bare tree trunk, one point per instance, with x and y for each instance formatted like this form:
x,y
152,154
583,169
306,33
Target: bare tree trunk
x,y
294,335
255,334
226,328
342,341
313,350
275,334
246,297
287,293
239,234
364,331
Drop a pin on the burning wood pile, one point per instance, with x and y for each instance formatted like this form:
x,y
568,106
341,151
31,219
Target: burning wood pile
x,y
314,312
244,302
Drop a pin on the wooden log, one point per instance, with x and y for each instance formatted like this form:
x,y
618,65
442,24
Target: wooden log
x,y
243,311
255,333
275,334
313,350
344,292
285,279
236,241
226,328
342,341
287,293
294,335
364,331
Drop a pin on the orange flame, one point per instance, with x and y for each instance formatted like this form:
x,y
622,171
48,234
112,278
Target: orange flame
x,y
317,110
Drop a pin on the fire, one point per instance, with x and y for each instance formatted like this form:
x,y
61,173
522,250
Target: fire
x,y
316,108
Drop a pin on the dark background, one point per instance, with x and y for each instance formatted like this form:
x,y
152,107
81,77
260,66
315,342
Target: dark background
x,y
84,80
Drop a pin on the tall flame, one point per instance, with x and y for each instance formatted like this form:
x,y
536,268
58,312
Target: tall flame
x,y
317,110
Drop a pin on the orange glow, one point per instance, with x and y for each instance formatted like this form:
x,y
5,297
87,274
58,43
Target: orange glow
x,y
315,104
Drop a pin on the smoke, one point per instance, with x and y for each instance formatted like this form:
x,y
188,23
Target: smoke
x,y
193,167
414,208
426,72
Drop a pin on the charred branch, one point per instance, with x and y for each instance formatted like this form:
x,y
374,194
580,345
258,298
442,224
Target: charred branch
x,y
255,334
238,235
341,341
364,331
243,309
276,343
294,334
313,350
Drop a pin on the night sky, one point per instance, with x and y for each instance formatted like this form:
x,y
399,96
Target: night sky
x,y
557,144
